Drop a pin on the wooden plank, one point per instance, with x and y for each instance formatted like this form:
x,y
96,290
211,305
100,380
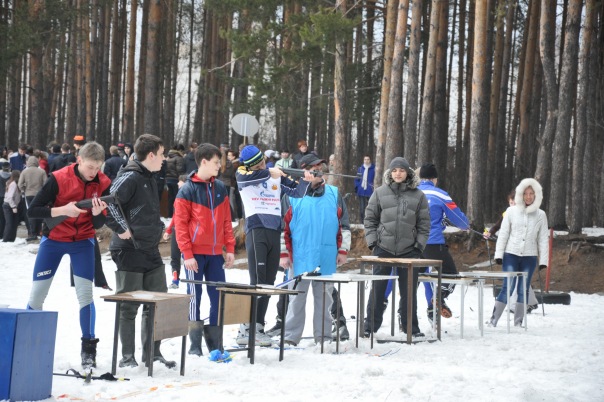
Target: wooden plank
x,y
171,318
237,308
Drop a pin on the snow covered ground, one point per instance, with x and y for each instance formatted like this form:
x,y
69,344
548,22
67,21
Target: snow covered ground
x,y
560,357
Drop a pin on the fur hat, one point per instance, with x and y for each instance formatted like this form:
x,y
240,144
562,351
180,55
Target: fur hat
x,y
519,197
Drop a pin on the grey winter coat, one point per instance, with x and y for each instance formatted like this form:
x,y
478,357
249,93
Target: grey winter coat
x,y
397,218
32,178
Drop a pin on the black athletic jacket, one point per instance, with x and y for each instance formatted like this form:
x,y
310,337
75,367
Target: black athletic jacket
x,y
136,189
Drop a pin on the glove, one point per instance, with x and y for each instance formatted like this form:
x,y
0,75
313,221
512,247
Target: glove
x,y
499,261
542,267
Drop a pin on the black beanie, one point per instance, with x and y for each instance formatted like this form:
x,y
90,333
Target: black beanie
x,y
428,171
399,162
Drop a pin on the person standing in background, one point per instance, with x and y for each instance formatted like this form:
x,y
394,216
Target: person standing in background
x,y
10,207
4,177
30,182
175,166
363,186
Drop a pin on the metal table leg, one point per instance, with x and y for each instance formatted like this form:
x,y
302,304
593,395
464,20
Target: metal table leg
x,y
151,338
116,329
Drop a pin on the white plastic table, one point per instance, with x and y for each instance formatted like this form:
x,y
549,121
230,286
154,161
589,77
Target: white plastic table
x,y
502,275
463,282
340,278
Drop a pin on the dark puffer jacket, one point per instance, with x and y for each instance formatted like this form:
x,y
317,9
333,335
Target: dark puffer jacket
x,y
397,218
175,165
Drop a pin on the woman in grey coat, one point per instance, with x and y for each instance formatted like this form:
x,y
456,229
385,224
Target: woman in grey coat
x,y
397,225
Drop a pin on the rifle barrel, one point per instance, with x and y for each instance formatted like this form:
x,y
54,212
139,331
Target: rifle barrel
x,y
300,173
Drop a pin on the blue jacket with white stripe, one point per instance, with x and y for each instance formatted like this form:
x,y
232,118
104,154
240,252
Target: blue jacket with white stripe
x,y
441,206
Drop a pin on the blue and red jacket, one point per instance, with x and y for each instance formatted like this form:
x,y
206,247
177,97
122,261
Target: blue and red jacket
x,y
62,187
202,218
441,205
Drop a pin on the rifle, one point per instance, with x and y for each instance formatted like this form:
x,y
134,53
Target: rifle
x,y
300,173
87,203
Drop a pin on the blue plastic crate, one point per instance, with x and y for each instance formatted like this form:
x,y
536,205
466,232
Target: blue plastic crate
x,y
27,349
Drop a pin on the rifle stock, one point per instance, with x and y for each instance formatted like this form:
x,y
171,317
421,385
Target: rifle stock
x,y
87,203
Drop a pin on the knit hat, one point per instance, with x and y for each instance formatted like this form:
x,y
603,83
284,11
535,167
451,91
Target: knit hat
x,y
400,162
251,156
428,171
79,140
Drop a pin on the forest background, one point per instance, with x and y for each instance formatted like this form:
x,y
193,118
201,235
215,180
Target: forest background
x,y
493,90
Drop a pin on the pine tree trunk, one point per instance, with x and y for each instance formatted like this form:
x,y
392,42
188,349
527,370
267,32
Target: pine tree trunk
x,y
499,191
576,206
413,84
339,101
36,82
142,68
494,103
128,124
480,98
424,153
440,125
14,102
152,84
395,135
560,167
389,36
103,134
590,186
459,180
87,75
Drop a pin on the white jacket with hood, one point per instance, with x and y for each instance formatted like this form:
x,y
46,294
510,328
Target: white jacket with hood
x,y
524,229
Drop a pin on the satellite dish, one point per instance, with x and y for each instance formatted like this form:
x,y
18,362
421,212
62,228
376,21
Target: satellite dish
x,y
245,124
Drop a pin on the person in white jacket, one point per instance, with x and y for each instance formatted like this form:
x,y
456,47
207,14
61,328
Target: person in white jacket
x,y
522,242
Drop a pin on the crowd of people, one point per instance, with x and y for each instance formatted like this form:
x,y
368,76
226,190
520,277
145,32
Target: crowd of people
x,y
298,225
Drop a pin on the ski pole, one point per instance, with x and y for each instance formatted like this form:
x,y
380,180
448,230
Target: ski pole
x,y
76,374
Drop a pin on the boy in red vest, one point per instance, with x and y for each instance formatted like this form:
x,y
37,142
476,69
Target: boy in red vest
x,y
74,236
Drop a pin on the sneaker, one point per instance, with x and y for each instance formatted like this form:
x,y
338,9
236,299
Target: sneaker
x,y
175,280
31,238
367,334
243,337
531,307
276,330
290,343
